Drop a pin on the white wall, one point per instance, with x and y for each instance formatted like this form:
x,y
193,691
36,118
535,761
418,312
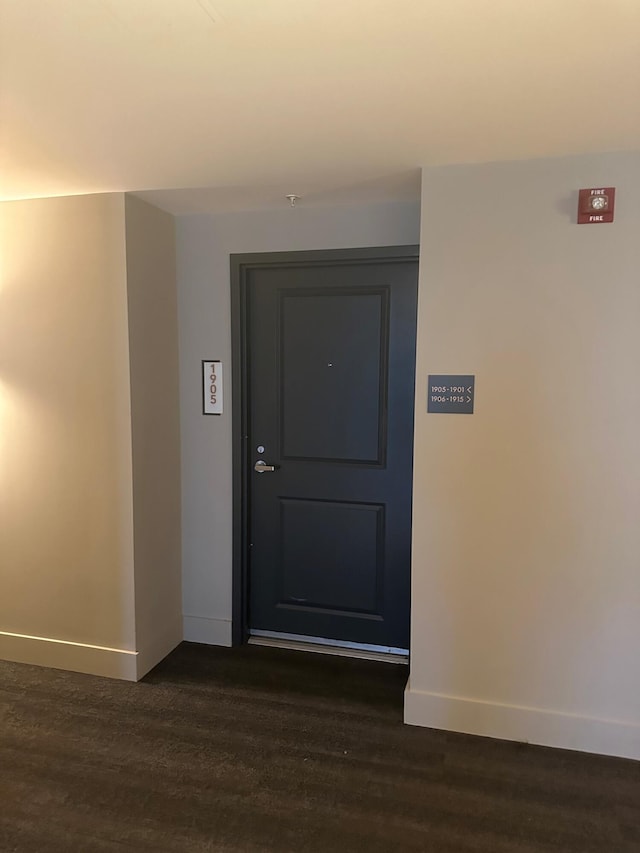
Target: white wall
x,y
204,244
155,430
66,532
526,549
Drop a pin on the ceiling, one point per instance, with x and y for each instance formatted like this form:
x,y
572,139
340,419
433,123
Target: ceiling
x,y
243,101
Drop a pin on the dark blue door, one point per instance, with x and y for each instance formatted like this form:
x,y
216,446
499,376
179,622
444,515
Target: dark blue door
x,y
331,352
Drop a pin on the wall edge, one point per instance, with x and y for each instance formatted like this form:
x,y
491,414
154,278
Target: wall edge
x,y
527,725
203,629
63,654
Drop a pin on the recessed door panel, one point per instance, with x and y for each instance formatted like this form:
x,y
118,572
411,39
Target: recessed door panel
x,y
332,555
334,378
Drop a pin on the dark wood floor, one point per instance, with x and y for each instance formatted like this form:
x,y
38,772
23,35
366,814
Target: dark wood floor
x,y
255,749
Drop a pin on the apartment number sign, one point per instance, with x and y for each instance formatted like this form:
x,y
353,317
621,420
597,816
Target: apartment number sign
x,y
212,387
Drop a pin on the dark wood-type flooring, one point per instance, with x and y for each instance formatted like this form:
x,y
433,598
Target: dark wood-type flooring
x,y
256,749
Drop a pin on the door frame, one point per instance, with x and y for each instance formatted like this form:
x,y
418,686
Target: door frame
x,y
240,265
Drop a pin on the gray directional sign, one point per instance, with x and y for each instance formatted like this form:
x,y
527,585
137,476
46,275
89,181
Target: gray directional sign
x,y
451,394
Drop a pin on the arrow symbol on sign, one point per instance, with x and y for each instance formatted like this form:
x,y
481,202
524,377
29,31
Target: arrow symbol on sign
x,y
469,389
468,399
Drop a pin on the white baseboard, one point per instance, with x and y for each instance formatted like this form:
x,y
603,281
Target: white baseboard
x,y
151,652
528,725
202,629
62,654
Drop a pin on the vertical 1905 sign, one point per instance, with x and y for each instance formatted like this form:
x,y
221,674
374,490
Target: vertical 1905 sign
x,y
212,387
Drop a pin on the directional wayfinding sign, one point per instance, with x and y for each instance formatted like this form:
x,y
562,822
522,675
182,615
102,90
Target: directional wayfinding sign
x,y
450,394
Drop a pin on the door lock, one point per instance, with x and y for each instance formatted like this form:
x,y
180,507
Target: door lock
x,y
262,468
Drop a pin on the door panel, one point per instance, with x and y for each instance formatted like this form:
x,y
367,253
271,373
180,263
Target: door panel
x,y
331,355
333,374
317,569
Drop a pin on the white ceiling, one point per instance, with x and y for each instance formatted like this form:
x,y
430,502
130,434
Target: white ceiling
x,y
246,100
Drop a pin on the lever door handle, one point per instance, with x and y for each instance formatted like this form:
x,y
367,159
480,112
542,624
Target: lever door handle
x,y
262,467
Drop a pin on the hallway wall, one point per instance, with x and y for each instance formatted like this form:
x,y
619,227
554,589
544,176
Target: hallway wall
x,y
155,429
89,453
526,589
66,541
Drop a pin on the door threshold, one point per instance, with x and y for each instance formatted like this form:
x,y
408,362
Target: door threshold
x,y
320,645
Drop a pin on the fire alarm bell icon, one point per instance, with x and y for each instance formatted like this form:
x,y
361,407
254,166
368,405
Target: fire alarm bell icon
x,y
596,205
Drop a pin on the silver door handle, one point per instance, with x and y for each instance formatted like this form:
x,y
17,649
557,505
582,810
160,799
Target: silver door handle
x,y
262,467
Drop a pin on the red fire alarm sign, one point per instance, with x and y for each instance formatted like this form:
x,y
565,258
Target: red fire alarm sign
x,y
596,205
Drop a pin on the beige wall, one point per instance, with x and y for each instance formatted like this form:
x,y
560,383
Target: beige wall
x,y
66,558
526,578
89,451
155,424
